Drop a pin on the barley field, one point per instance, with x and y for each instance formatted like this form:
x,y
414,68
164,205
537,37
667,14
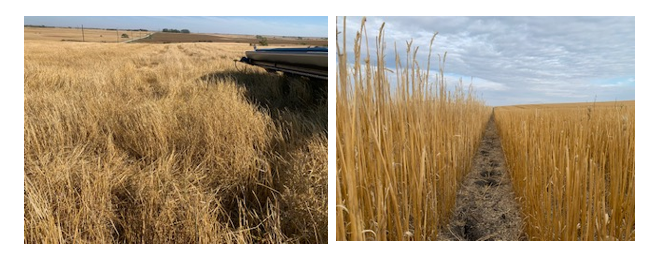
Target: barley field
x,y
573,168
153,143
402,148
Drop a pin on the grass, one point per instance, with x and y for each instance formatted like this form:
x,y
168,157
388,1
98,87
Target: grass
x,y
573,167
142,143
402,148
74,34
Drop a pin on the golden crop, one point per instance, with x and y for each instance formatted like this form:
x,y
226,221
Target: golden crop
x,y
573,167
402,147
146,143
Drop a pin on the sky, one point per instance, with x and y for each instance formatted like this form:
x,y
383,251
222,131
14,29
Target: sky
x,y
285,26
519,60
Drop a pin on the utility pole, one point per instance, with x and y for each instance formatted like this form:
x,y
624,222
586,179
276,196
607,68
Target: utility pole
x,y
82,34
117,39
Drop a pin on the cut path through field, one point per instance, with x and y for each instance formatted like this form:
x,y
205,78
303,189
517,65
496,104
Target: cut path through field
x,y
486,208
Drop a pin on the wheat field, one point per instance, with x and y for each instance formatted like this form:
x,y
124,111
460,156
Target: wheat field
x,y
573,168
402,147
148,143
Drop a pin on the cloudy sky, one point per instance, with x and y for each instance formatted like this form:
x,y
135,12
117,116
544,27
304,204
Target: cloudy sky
x,y
286,26
520,60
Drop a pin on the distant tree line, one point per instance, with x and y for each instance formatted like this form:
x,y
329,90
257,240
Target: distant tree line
x,y
166,30
41,26
134,30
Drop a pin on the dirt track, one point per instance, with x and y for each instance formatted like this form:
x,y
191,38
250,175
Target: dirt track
x,y
486,209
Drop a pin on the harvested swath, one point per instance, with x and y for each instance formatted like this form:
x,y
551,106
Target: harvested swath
x,y
486,209
573,167
401,149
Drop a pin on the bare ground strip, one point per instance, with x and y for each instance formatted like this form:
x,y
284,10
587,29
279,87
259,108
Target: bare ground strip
x,y
486,209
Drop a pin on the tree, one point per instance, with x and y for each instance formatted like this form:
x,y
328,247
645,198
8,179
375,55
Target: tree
x,y
125,36
263,40
168,30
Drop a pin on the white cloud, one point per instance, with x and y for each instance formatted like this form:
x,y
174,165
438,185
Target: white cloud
x,y
551,58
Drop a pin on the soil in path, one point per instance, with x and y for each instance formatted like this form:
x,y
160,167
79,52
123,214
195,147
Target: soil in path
x,y
486,209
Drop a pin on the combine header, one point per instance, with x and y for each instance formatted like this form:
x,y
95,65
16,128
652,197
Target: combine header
x,y
309,62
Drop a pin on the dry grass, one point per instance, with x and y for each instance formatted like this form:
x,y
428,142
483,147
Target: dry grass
x,y
141,143
401,149
74,34
573,167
